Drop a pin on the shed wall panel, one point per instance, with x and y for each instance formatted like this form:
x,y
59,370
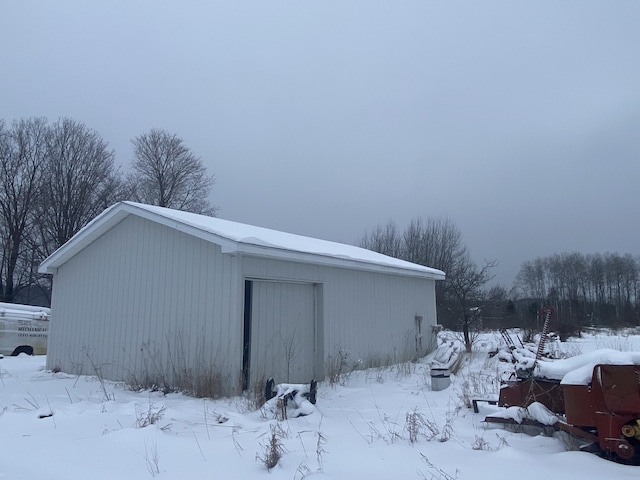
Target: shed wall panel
x,y
146,298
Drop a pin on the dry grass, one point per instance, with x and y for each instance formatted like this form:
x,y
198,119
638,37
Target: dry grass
x,y
152,415
483,383
273,450
437,473
337,368
200,382
254,397
417,425
152,459
176,369
620,343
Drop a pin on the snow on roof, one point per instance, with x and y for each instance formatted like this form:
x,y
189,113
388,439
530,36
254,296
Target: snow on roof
x,y
578,370
237,237
16,310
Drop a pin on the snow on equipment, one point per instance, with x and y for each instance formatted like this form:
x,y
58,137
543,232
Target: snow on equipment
x,y
302,397
594,396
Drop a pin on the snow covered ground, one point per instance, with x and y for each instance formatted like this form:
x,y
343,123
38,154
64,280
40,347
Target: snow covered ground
x,y
58,426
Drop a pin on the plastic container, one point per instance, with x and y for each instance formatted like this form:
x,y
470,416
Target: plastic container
x,y
440,379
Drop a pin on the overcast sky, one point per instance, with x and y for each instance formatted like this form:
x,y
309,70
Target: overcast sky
x,y
518,121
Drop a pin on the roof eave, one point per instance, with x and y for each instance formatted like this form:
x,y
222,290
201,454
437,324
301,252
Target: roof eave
x,y
329,260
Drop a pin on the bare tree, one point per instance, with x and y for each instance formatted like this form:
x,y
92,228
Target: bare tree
x,y
166,173
22,152
436,243
532,279
584,289
465,286
80,181
384,239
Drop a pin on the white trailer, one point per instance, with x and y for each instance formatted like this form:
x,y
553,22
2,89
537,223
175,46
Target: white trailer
x,y
23,328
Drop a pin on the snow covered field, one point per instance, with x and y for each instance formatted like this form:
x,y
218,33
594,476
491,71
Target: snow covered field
x,y
58,426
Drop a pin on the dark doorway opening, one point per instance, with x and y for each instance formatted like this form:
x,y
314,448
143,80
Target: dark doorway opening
x,y
246,340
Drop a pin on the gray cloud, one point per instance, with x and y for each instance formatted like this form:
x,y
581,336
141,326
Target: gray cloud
x,y
518,121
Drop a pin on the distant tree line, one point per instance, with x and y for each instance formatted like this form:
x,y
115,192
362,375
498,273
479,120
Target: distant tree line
x,y
56,177
584,290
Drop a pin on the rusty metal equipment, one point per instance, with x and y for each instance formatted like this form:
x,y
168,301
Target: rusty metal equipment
x,y
606,411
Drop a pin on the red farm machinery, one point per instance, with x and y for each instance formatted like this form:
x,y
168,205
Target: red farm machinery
x,y
603,407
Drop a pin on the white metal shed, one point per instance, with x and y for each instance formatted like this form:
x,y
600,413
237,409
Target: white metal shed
x,y
145,291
